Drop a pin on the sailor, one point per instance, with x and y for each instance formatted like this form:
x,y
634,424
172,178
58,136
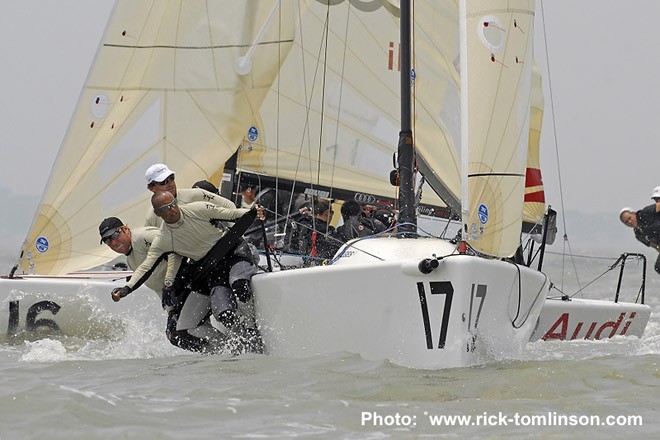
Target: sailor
x,y
161,178
655,195
387,217
276,203
135,245
646,226
356,225
187,231
248,190
314,237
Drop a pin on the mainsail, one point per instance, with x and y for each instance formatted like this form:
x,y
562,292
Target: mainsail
x,y
332,116
496,74
162,89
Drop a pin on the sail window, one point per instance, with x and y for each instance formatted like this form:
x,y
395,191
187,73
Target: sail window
x,y
100,106
491,33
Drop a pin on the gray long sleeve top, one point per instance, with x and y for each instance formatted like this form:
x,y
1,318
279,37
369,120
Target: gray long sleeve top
x,y
192,236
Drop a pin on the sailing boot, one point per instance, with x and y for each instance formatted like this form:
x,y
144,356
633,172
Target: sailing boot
x,y
183,339
242,290
239,279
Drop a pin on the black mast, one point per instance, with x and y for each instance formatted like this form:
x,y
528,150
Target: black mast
x,y
405,157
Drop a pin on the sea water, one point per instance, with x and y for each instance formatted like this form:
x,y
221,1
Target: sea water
x,y
138,386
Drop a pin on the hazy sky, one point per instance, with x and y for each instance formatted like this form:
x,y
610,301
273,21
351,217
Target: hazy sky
x,y
604,71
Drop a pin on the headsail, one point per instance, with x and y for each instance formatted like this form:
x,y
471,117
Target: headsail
x,y
496,72
162,89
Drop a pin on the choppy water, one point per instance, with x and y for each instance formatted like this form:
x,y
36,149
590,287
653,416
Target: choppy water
x,y
138,386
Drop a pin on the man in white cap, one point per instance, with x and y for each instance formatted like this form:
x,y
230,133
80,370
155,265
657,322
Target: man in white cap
x,y
161,178
646,226
656,194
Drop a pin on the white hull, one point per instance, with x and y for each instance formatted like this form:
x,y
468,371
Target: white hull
x,y
377,303
372,303
33,307
72,306
590,319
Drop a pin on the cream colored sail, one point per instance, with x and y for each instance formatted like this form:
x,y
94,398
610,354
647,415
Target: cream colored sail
x,y
332,117
162,89
496,71
316,102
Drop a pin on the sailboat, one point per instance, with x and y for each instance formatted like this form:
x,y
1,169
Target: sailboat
x,y
419,302
311,96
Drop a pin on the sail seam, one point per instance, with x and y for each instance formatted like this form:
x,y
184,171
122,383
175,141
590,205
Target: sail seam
x,y
496,174
168,46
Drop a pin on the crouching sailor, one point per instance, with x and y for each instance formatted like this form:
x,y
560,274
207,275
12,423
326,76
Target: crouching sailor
x,y
135,244
218,271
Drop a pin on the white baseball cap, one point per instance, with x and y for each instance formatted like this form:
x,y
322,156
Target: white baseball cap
x,y
157,173
656,192
626,209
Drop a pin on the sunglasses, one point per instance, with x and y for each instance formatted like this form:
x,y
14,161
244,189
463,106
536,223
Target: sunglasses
x,y
163,209
114,236
170,179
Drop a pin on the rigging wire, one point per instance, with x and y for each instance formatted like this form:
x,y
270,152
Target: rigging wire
x,y
324,78
341,95
556,144
321,62
618,263
566,243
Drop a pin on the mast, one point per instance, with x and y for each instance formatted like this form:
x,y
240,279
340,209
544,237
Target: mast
x,y
405,157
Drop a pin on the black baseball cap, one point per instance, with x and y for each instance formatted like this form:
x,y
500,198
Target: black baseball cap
x,y
245,184
208,186
109,226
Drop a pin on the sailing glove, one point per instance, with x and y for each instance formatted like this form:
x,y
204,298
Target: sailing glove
x,y
120,292
170,299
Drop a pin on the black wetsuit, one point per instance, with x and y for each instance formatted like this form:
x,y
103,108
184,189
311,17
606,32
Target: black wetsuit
x,y
648,229
315,240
